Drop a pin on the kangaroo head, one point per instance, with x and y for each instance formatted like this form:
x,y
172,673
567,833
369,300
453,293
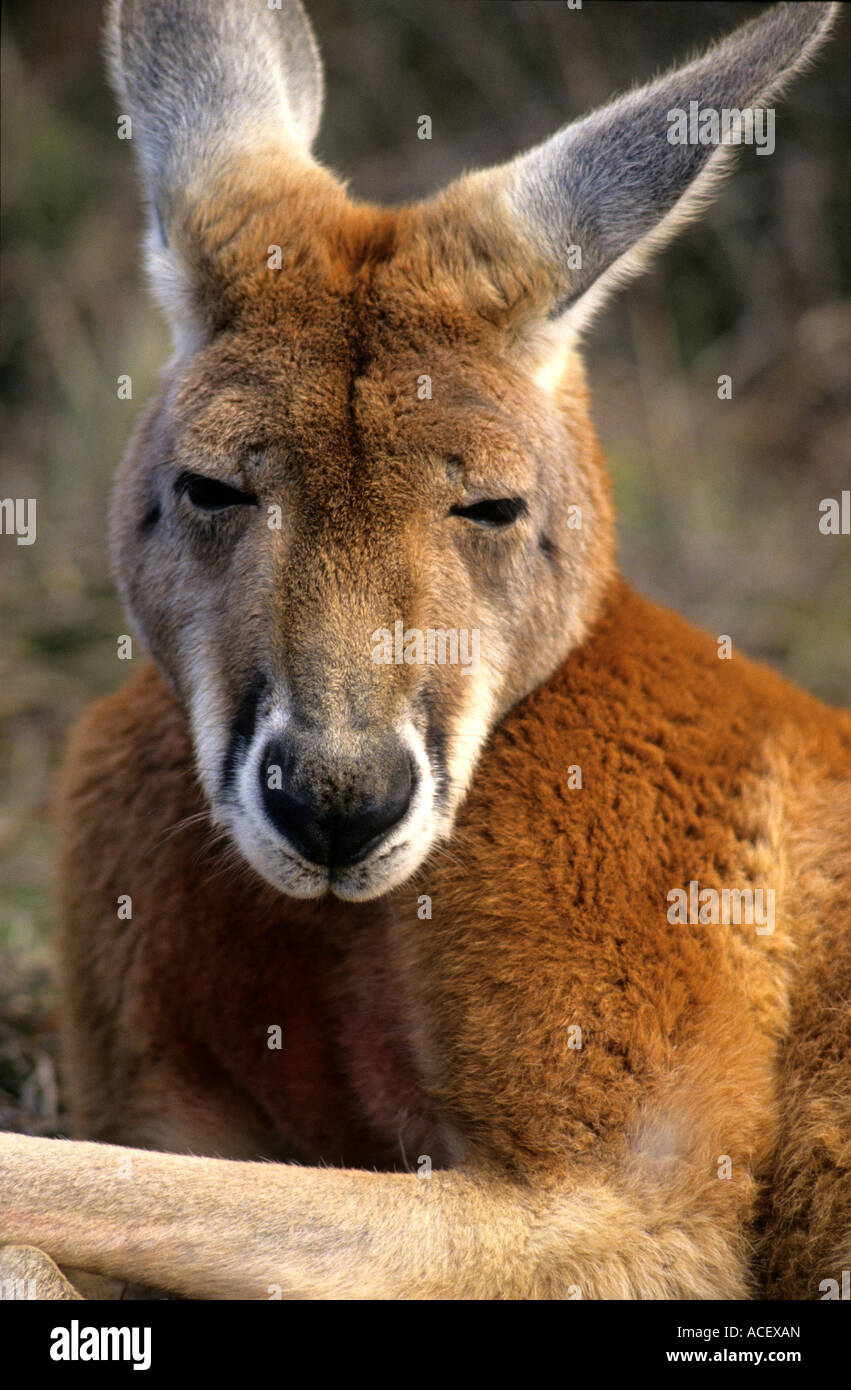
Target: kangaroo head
x,y
366,513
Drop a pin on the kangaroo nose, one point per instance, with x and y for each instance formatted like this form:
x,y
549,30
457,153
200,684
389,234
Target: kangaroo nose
x,y
323,832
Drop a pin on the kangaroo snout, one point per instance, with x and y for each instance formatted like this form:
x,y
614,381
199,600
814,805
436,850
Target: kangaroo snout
x,y
335,813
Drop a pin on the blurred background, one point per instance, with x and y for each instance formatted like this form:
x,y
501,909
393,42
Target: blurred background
x,y
718,501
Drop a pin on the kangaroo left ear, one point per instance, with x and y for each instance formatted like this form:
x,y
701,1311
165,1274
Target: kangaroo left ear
x,y
593,202
225,97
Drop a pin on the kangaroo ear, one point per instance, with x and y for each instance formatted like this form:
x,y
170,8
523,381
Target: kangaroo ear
x,y
592,202
216,92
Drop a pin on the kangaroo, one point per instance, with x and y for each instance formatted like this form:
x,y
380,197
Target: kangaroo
x,y
530,974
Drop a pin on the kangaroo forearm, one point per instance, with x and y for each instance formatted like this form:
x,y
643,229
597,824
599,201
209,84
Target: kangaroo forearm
x,y
213,1228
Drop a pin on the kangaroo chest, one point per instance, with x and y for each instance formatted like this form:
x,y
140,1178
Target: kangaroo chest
x,y
313,1032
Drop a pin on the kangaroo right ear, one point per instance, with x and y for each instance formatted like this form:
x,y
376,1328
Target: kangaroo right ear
x,y
597,198
216,94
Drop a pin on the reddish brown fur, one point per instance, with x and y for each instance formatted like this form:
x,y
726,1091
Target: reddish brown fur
x,y
686,1030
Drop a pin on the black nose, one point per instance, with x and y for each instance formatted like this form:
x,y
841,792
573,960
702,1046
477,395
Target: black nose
x,y
316,824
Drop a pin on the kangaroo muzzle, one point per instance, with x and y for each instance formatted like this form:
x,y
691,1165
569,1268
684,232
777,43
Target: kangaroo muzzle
x,y
335,810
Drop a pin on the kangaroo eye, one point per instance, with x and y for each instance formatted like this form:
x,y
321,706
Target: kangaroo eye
x,y
209,495
500,511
